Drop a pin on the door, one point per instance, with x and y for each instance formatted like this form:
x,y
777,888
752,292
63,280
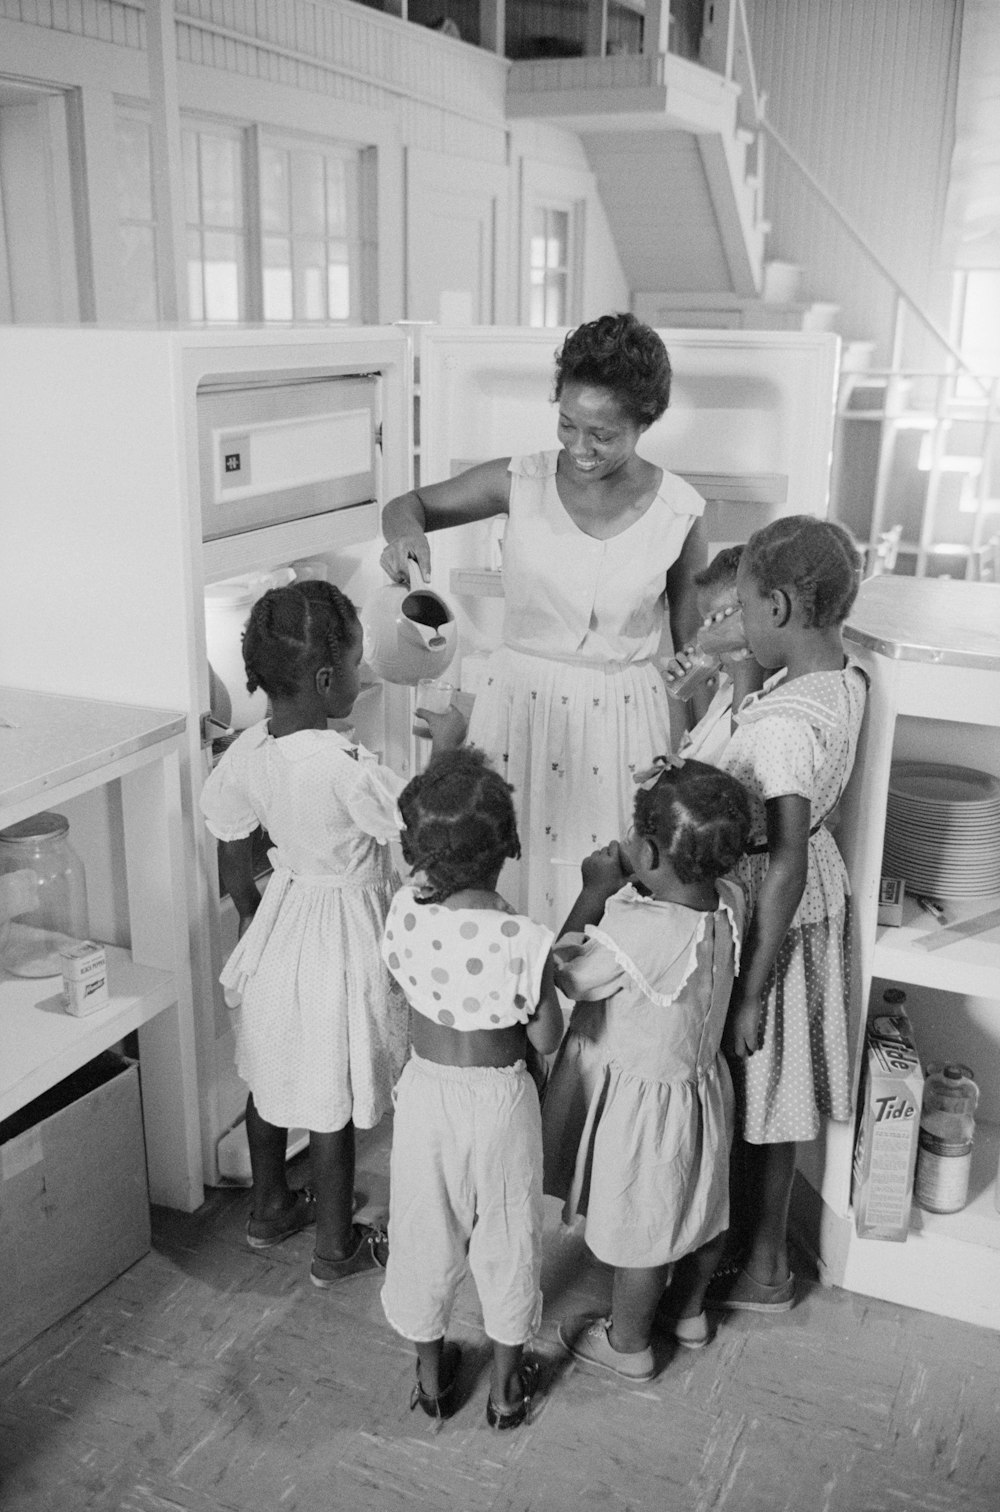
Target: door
x,y
455,215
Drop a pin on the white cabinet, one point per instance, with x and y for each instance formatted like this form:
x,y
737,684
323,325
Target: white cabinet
x,y
52,750
102,514
932,650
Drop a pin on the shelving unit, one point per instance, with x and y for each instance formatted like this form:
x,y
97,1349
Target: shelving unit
x,y
52,749
932,650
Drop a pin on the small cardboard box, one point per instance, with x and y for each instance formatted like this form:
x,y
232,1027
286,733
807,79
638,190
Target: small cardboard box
x,y
85,977
885,1149
74,1202
891,891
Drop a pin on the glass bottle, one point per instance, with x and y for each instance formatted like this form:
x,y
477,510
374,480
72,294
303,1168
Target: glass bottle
x,y
947,1126
43,895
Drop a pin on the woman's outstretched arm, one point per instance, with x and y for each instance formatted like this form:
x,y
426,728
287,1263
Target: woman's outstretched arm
x,y
476,494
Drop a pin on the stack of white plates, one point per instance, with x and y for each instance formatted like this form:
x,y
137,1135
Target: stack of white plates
x,y
942,830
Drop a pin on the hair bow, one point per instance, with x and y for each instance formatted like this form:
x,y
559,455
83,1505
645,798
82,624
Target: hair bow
x,y
650,776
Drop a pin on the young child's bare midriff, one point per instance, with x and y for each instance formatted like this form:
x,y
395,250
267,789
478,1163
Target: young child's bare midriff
x,y
469,1047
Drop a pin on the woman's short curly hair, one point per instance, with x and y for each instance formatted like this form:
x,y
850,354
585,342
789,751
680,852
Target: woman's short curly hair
x,y
459,824
294,631
815,559
699,817
620,354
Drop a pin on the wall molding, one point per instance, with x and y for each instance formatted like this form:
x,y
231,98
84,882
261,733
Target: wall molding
x,y
332,48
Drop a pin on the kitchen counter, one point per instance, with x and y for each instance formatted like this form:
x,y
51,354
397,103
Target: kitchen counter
x,y
47,740
928,620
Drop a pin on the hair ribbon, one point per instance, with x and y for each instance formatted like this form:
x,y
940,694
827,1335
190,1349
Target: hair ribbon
x,y
650,776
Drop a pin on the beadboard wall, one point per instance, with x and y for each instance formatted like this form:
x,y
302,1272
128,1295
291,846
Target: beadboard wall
x,y
452,173
865,94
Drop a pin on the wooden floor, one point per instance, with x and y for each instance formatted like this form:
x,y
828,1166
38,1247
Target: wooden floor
x,y
210,1377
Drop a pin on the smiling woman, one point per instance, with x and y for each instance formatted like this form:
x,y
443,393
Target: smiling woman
x,y
599,545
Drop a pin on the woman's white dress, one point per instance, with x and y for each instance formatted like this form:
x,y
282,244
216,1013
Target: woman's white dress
x,y
573,703
321,1027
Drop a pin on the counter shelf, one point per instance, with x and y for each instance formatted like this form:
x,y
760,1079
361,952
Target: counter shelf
x,y
53,749
932,651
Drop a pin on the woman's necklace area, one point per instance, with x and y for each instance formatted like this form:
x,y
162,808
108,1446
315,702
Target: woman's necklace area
x,y
604,507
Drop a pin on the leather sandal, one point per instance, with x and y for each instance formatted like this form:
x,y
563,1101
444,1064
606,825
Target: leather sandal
x,y
502,1418
443,1405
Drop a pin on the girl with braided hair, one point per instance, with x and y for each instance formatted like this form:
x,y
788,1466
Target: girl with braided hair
x,y
654,936
465,1176
320,1030
793,747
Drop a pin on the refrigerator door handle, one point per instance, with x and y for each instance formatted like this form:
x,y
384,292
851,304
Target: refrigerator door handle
x,y
209,728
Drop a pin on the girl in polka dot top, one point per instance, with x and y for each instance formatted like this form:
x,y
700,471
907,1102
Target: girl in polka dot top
x,y
465,1174
792,747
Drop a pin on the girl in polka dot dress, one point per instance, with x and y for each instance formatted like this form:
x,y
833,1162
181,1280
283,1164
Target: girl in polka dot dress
x,y
793,748
320,1029
465,1173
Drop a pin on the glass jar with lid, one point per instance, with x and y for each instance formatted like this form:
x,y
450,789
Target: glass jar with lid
x,y
43,893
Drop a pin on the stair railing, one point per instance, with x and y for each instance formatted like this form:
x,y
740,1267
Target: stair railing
x,y
910,302
894,406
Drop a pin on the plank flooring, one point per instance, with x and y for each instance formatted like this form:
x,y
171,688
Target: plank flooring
x,y
210,1378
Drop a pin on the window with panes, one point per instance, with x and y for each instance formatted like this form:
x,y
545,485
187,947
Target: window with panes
x,y
138,292
303,225
549,267
215,223
310,232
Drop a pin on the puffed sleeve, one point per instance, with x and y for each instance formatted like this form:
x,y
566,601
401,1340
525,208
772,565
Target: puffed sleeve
x,y
784,753
225,805
586,970
373,798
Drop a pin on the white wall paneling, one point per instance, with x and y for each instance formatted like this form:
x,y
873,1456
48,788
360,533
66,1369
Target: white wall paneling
x,y
865,95
593,251
455,230
35,183
328,69
550,161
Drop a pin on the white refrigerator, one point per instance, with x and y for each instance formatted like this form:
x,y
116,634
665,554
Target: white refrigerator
x,y
129,485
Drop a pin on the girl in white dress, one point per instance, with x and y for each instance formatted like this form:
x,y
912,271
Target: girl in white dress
x,y
793,748
321,1033
599,545
651,1170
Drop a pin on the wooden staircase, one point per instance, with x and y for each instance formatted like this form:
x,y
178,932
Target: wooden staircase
x,y
679,175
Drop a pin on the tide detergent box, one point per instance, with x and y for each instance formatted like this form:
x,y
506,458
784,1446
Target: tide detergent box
x,y
885,1149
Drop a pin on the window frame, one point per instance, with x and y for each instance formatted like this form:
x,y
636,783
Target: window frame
x,y
243,232
574,210
253,139
360,196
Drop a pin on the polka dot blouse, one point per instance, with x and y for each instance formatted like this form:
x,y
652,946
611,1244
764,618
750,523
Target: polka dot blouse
x,y
467,968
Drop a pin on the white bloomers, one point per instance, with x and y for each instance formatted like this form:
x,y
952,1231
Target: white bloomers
x,y
466,1181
